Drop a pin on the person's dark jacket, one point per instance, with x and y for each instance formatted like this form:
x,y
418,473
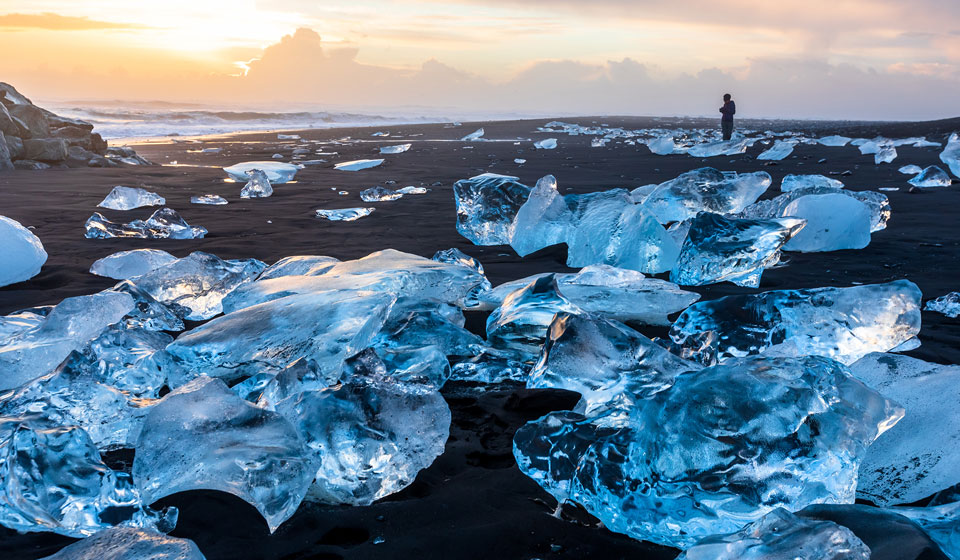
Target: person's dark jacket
x,y
729,109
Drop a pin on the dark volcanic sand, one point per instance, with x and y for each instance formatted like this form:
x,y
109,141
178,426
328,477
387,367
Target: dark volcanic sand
x,y
472,502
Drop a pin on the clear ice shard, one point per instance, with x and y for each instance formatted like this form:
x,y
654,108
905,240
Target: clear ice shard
x,y
776,207
940,519
730,147
931,176
413,324
277,172
165,223
128,264
258,185
521,322
912,460
148,313
458,257
705,190
720,448
344,214
834,141
300,265
948,305
833,222
719,249
358,165
211,199
23,253
379,194
398,149
611,365
546,144
844,324
70,325
129,543
779,150
951,154
486,206
371,434
128,198
885,154
543,220
662,146
54,480
23,320
475,135
198,282
781,535
910,169
202,436
413,190
794,182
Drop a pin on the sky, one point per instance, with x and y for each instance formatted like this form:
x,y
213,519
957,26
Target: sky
x,y
847,59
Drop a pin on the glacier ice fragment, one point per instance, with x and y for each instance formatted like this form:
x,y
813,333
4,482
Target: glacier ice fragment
x,y
23,253
543,220
834,141
950,155
398,149
475,135
129,543
128,264
522,320
546,144
931,176
794,182
705,190
948,305
779,150
128,198
301,265
379,194
486,206
776,207
358,165
910,169
277,172
833,222
258,185
343,214
211,199
165,223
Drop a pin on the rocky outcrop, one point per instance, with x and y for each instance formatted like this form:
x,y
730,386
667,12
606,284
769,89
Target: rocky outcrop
x,y
32,137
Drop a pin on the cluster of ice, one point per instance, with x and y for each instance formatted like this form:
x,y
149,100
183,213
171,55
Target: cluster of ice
x,y
343,214
128,198
948,304
23,253
931,176
211,199
165,223
357,165
127,264
398,149
277,173
258,185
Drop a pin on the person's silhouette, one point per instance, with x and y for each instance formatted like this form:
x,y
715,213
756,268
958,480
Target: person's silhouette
x,y
726,121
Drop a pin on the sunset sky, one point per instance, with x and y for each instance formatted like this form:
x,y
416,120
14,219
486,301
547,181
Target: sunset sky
x,y
880,59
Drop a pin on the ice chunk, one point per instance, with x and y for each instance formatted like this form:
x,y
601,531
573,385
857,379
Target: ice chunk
x,y
128,264
730,147
416,324
951,154
776,207
398,149
128,198
833,222
150,314
940,520
277,172
475,135
546,144
721,447
129,543
910,169
780,535
71,324
458,257
779,150
23,254
379,194
258,186
491,366
794,182
211,199
931,176
165,223
357,165
662,146
719,249
543,220
344,214
834,141
23,320
705,190
885,154
948,304
522,320
413,190
198,282
841,323
204,437
912,461
486,206
305,265
519,161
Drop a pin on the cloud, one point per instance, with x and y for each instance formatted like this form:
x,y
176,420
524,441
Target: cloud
x,y
56,22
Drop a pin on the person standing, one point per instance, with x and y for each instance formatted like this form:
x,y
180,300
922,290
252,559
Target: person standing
x,y
726,121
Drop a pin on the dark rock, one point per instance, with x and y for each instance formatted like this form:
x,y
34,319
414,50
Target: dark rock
x,y
30,164
57,121
915,190
97,144
49,150
7,125
890,536
15,145
5,160
74,135
10,96
33,120
123,155
77,156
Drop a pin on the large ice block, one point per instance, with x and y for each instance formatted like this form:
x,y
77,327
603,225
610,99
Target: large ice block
x,y
23,254
117,358
705,190
931,176
128,264
794,182
662,146
128,198
950,155
165,223
129,543
948,304
833,222
258,185
277,172
779,150
522,320
150,314
486,206
299,265
543,220
776,207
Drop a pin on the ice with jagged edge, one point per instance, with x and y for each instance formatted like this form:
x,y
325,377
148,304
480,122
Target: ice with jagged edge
x,y
202,436
950,155
883,149
520,323
546,144
779,150
776,207
258,185
834,222
277,172
543,220
844,324
719,249
910,169
398,149
129,543
458,257
794,182
948,304
150,314
128,198
783,432
23,320
23,253
210,199
730,147
165,223
486,207
911,461
705,190
298,265
410,189
54,480
931,176
662,145
343,214
475,135
128,264
781,535
834,141
416,323
71,324
379,194
359,164
940,519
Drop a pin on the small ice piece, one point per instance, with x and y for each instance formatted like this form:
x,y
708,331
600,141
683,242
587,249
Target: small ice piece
x,y
776,207
885,154
128,264
288,136
398,149
212,199
834,141
833,222
258,186
948,305
719,249
519,161
23,253
128,198
794,182
546,144
129,543
277,172
781,535
951,154
932,176
202,436
910,169
413,190
357,165
475,135
599,142
522,320
779,150
486,206
705,190
165,223
379,194
888,189
303,265
543,220
911,461
662,146
343,214
277,156
380,134
730,147
844,324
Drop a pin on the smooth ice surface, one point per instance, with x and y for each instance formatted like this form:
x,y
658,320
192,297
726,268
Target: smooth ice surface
x,y
794,182
129,543
721,447
128,198
23,254
300,265
662,146
127,264
931,176
277,172
719,249
379,194
919,456
458,257
546,144
475,135
413,190
840,323
165,223
204,437
258,185
910,169
148,313
344,214
522,320
486,207
543,220
730,147
780,535
357,165
833,222
940,520
71,324
948,304
211,199
834,141
705,190
398,149
776,207
950,155
779,150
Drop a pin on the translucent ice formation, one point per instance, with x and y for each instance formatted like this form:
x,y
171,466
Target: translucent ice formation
x,y
304,265
776,207
705,190
128,198
546,144
910,169
951,154
413,190
379,194
23,254
475,135
127,264
779,150
794,182
543,220
258,185
129,543
841,323
165,223
211,199
948,304
522,320
662,146
344,214
486,206
277,172
357,165
931,176
730,147
719,249
833,222
834,141
398,149
150,314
